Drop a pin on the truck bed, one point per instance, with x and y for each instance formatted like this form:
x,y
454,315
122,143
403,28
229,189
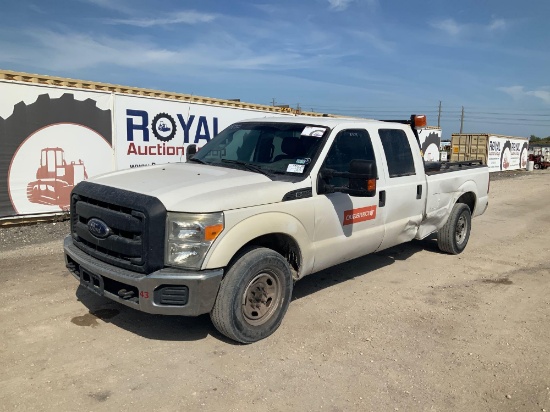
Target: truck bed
x,y
433,168
446,185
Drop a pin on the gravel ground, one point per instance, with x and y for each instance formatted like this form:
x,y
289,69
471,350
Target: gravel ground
x,y
509,174
407,328
13,237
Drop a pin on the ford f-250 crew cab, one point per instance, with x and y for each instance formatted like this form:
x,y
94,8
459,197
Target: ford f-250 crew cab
x,y
263,204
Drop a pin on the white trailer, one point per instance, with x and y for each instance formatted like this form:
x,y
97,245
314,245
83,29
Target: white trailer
x,y
96,128
498,152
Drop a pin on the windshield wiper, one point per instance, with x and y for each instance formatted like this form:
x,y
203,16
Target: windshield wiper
x,y
249,166
198,161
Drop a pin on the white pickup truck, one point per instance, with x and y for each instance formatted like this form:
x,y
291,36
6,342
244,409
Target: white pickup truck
x,y
263,204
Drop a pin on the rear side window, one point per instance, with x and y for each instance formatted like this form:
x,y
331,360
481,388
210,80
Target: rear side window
x,y
398,152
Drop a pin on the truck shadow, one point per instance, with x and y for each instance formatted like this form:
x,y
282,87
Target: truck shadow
x,y
155,327
362,266
179,328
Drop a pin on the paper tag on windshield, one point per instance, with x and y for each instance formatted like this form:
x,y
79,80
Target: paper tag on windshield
x,y
294,168
313,131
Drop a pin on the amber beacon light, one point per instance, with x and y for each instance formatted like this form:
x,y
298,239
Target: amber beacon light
x,y
419,120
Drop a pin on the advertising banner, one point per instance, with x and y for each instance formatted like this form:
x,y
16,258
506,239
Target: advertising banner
x,y
154,131
51,138
506,153
430,139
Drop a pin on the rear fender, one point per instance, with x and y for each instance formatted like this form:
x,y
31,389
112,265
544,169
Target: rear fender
x,y
435,219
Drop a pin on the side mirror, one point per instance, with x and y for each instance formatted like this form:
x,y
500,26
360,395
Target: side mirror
x,y
191,151
362,178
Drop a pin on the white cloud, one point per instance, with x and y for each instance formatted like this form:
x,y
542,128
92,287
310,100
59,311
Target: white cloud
x,y
339,5
449,26
36,8
71,52
498,24
375,41
515,91
267,8
519,92
455,29
543,94
186,17
118,5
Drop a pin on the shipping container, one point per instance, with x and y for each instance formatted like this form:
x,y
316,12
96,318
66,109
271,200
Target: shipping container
x,y
498,152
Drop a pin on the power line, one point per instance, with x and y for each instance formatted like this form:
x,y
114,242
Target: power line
x,y
465,115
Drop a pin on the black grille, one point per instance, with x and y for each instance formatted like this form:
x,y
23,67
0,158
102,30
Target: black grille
x,y
136,226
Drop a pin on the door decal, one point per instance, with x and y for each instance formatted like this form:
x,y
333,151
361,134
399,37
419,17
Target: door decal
x,y
359,215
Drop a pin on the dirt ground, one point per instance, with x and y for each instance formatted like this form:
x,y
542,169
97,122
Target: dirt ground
x,y
407,329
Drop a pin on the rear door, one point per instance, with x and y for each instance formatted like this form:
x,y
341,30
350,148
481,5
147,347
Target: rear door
x,y
402,192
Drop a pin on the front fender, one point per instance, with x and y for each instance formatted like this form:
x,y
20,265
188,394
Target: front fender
x,y
238,235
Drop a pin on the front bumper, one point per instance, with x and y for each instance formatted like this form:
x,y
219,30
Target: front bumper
x,y
166,291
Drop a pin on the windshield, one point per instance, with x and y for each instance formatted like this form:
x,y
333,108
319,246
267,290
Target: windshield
x,y
285,148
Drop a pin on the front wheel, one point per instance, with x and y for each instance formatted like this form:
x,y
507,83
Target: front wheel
x,y
254,296
453,236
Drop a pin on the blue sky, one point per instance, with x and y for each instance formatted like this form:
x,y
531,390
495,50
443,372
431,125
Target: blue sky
x,y
370,58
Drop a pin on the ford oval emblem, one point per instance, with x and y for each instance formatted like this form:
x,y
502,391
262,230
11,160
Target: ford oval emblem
x,y
98,228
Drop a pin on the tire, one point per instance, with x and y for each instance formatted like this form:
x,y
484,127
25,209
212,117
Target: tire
x,y
536,166
254,296
453,237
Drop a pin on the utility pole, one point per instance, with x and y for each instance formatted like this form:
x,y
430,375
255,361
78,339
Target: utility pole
x,y
439,115
273,102
462,120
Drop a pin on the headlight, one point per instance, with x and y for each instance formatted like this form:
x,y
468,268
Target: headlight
x,y
189,236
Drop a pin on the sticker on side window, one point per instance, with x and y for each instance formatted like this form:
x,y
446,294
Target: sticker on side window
x,y
313,131
294,168
305,161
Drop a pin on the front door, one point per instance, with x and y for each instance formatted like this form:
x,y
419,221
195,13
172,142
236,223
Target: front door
x,y
346,226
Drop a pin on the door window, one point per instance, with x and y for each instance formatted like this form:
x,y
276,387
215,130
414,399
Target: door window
x,y
348,145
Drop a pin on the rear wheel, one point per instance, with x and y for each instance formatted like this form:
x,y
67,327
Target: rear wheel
x,y
536,166
254,296
453,236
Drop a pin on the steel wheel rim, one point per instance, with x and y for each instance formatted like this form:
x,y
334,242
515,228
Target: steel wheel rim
x,y
261,298
461,229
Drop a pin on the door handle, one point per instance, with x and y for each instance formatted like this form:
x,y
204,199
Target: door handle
x,y
419,191
382,198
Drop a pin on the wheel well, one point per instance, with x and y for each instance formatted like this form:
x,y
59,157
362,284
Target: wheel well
x,y
469,199
281,243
